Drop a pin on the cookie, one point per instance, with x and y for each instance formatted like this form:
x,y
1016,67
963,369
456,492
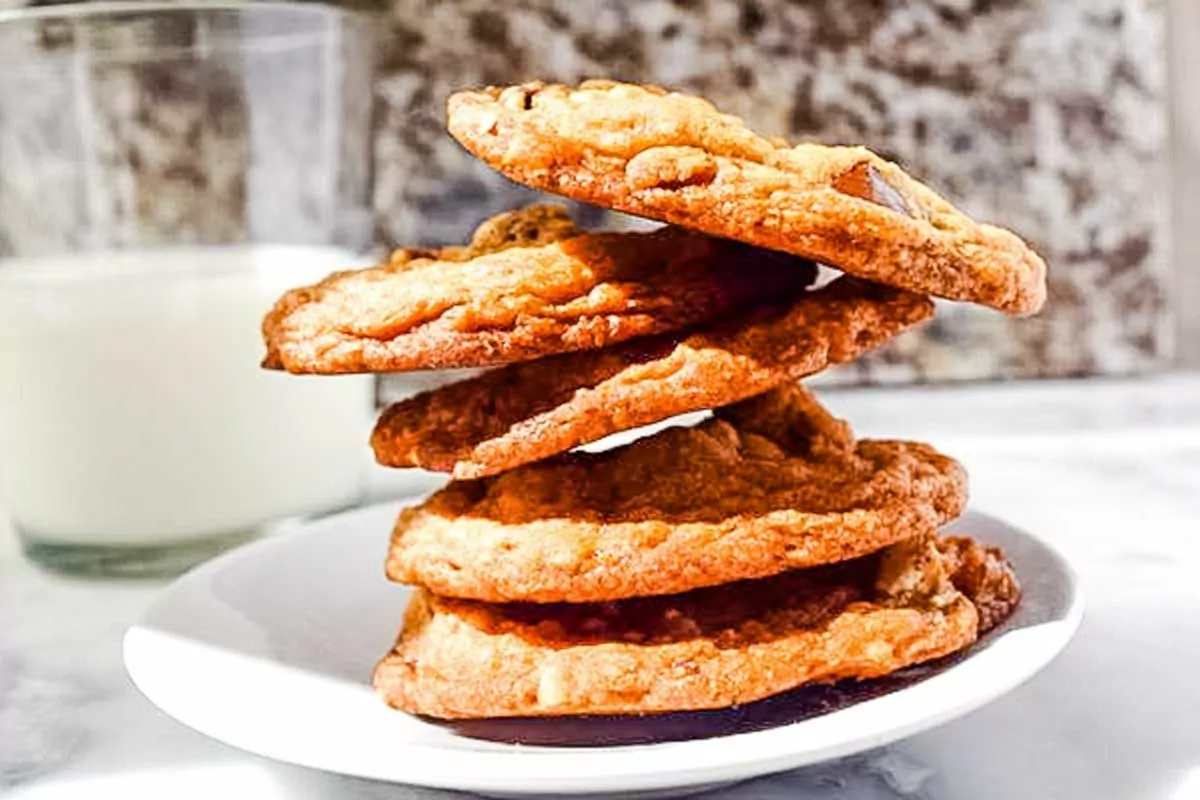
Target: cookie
x,y
771,484
530,284
711,648
676,158
526,412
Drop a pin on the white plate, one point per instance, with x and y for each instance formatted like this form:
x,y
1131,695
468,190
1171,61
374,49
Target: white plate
x,y
270,648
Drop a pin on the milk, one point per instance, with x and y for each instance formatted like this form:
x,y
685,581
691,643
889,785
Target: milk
x,y
133,409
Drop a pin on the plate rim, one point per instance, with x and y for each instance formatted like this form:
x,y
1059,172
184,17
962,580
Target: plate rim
x,y
535,770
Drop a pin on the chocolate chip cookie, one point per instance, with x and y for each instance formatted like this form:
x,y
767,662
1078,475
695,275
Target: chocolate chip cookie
x,y
771,484
711,648
676,158
530,284
529,411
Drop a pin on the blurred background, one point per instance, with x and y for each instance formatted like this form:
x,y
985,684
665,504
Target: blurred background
x,y
1053,118
167,170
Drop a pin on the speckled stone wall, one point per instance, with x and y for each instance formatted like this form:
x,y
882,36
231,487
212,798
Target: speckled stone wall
x,y
1185,176
1048,116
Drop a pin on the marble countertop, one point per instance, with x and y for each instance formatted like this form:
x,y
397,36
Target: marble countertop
x,y
1107,471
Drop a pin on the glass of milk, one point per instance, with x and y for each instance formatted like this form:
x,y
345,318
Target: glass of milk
x,y
166,172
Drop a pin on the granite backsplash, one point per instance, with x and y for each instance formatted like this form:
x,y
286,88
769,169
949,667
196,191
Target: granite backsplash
x,y
1048,116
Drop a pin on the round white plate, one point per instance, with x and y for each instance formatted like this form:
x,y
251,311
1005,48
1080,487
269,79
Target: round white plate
x,y
270,648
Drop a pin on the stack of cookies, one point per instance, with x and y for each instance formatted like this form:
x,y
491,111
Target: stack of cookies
x,y
700,567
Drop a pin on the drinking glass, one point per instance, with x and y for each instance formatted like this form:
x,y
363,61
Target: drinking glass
x,y
166,171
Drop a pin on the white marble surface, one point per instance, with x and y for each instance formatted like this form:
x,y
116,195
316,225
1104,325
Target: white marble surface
x,y
1110,472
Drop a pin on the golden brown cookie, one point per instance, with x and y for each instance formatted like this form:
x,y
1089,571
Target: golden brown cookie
x,y
771,484
711,648
526,412
529,284
676,158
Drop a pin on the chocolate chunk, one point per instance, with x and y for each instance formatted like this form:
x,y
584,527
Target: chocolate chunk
x,y
864,181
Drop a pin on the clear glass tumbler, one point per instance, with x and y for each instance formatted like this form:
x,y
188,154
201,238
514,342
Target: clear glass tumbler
x,y
166,171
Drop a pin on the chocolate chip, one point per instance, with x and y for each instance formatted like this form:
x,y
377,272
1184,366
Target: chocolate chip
x,y
519,98
866,182
670,168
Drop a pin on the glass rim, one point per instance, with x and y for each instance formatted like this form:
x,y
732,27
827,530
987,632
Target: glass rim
x,y
110,8
322,17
